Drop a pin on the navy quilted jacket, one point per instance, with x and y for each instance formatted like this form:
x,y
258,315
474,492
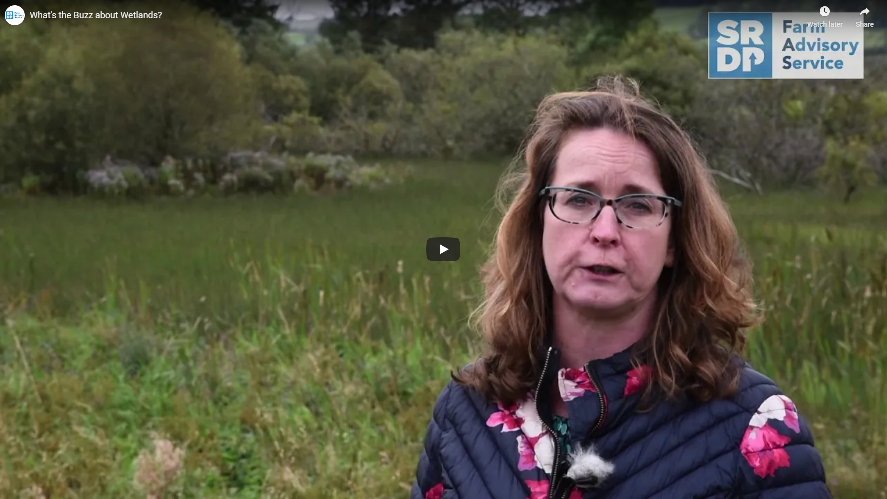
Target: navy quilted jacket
x,y
753,444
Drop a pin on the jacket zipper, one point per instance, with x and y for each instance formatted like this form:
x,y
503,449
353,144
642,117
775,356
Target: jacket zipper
x,y
555,466
557,448
601,398
601,418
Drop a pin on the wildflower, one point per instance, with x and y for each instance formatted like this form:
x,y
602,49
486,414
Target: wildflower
x,y
155,473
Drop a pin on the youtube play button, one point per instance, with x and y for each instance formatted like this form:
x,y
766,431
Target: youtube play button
x,y
442,249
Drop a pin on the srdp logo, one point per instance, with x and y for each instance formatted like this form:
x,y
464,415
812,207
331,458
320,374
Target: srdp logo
x,y
14,15
740,45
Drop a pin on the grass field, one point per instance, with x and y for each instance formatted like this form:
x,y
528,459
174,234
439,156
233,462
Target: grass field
x,y
296,345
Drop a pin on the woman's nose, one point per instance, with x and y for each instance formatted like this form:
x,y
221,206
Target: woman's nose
x,y
605,228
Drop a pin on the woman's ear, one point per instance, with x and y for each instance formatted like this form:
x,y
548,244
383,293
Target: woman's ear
x,y
670,250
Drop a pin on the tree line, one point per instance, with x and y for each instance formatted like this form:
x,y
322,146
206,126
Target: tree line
x,y
209,79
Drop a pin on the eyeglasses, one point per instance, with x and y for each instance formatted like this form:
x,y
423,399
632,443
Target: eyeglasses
x,y
635,211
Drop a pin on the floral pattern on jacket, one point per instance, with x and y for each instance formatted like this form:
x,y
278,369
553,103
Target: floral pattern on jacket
x,y
523,440
435,492
637,379
763,447
534,444
573,383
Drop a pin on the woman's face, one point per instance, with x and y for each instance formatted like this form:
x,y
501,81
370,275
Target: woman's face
x,y
609,164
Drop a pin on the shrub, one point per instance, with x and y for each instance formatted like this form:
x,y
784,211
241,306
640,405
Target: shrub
x,y
169,179
328,170
254,179
107,181
847,167
484,93
228,183
31,184
670,67
136,183
128,89
767,136
295,133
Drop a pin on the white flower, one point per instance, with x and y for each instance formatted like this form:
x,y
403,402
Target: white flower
x,y
540,439
573,383
776,407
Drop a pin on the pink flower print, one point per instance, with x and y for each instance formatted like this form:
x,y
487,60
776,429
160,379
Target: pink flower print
x,y
526,448
539,490
435,492
777,407
505,417
791,414
637,378
763,449
573,383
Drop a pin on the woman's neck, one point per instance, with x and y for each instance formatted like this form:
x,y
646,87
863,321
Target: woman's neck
x,y
585,337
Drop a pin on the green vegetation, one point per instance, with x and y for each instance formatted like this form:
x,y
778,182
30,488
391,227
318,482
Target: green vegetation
x,y
297,344
687,21
876,37
678,19
297,39
219,90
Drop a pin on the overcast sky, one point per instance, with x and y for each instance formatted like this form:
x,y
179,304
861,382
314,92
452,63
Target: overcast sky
x,y
305,10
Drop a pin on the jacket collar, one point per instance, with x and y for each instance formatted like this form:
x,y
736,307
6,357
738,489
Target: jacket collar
x,y
598,396
619,363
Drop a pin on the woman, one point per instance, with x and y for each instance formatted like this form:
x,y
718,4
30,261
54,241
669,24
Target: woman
x,y
616,305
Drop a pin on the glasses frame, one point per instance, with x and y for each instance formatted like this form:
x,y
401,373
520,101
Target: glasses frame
x,y
669,202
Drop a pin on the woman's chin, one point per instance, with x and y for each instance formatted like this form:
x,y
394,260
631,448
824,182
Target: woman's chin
x,y
599,305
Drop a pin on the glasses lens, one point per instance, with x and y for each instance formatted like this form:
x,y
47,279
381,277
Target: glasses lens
x,y
575,207
641,212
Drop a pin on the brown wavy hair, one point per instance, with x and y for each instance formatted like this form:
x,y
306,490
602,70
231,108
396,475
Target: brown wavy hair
x,y
705,302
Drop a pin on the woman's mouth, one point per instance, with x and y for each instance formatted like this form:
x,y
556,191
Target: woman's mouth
x,y
603,270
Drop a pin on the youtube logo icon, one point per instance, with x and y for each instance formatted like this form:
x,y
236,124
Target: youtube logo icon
x,y
442,249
